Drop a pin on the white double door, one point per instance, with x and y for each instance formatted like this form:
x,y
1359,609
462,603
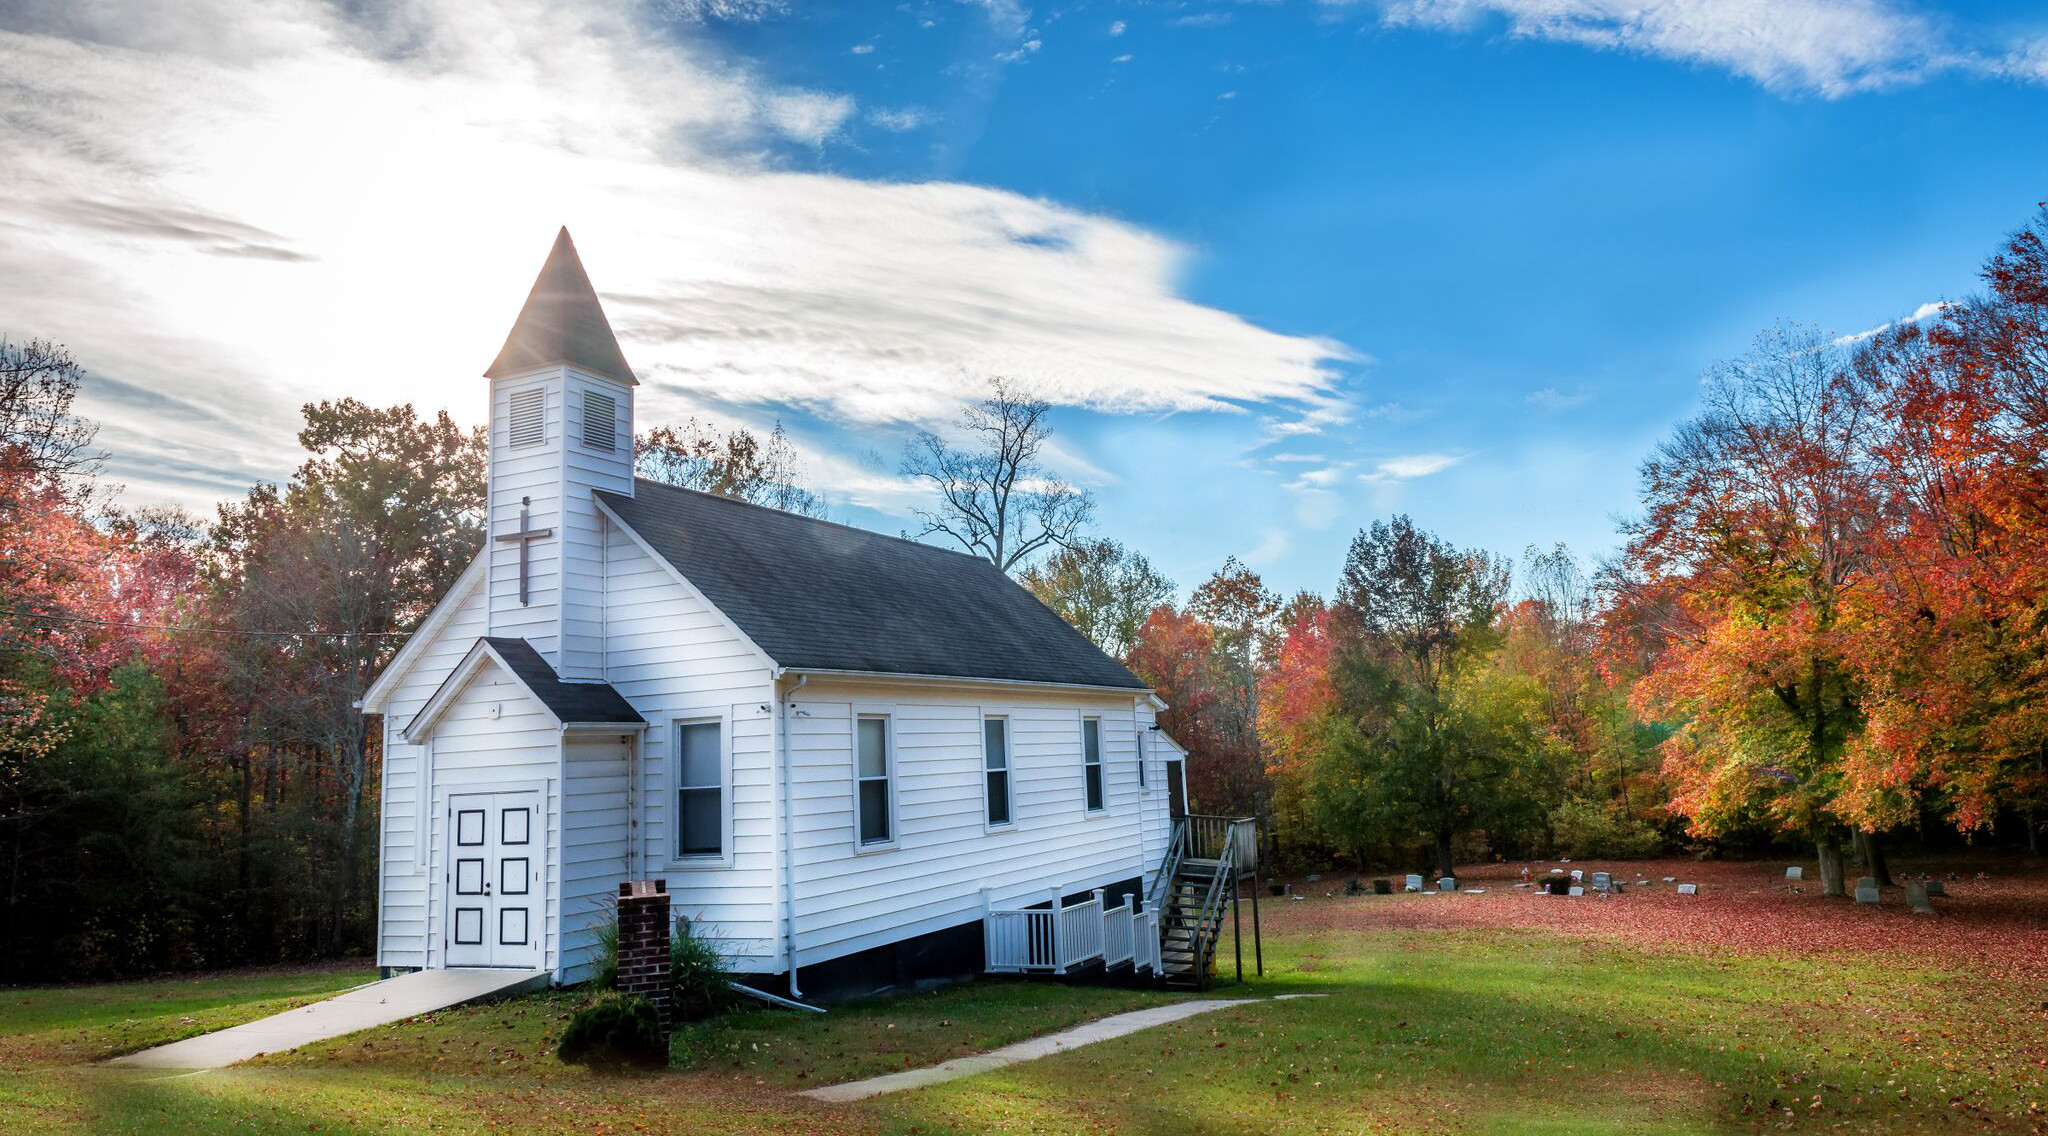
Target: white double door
x,y
496,903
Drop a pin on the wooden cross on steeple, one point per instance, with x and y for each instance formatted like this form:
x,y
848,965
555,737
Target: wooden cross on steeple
x,y
525,538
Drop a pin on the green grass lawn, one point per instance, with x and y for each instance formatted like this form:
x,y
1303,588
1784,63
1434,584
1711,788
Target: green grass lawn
x,y
1420,1031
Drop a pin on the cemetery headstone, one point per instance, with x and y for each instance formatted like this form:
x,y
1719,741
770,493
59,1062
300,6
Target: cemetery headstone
x,y
1414,882
1936,887
1578,876
1916,898
1795,872
1576,891
1688,889
1670,879
1559,886
1448,883
1603,881
1866,890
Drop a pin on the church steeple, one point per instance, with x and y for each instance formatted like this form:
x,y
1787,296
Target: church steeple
x,y
562,323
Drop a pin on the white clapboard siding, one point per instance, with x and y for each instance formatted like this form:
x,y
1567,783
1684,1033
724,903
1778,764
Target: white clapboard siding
x,y
585,468
850,899
674,659
402,907
534,473
495,738
596,837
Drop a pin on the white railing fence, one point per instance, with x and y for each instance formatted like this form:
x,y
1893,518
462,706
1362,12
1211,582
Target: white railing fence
x,y
1055,938
1116,932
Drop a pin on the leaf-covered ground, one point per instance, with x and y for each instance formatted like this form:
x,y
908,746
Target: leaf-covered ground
x,y
1747,1009
1994,920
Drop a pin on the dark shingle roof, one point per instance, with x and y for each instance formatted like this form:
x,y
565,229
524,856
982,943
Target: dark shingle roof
x,y
821,596
573,703
562,322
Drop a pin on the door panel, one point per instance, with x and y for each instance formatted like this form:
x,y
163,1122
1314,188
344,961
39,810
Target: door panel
x,y
494,895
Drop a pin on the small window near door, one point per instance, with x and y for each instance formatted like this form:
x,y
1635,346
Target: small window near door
x,y
871,737
1091,762
995,757
700,790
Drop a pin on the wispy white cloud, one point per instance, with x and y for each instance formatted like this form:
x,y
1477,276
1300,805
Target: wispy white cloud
x,y
898,119
1202,20
1829,47
231,209
1409,467
1550,398
861,49
1124,58
1117,28
1924,312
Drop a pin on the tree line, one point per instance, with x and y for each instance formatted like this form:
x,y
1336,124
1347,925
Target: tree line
x,y
1827,623
184,778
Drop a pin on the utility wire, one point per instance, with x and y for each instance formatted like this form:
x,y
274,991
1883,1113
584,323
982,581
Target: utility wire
x,y
213,630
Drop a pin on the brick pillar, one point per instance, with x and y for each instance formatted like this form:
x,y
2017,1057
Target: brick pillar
x,y
643,944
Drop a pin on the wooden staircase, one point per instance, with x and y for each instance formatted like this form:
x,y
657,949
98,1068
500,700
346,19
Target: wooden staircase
x,y
1197,885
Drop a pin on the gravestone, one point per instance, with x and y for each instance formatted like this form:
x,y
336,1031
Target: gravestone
x,y
1558,886
1670,879
1866,890
1936,887
1414,882
1557,871
1688,889
1603,881
1447,883
1795,872
1383,887
1618,887
1578,876
1916,898
1576,891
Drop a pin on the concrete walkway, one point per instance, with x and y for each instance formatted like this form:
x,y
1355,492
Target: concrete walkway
x,y
409,995
1087,1034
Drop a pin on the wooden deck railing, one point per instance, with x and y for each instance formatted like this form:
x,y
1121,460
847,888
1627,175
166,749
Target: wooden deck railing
x,y
1056,937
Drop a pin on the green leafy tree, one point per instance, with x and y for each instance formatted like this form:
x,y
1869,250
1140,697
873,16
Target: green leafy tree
x,y
1104,589
1427,738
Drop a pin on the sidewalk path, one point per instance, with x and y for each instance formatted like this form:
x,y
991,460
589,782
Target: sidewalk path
x,y
1087,1034
408,995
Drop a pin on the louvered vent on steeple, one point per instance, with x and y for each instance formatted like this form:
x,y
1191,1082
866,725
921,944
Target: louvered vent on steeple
x,y
600,421
528,426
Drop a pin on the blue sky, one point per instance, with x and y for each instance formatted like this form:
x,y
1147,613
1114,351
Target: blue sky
x,y
1463,260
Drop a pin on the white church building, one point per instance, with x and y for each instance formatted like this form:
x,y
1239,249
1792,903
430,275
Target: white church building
x,y
839,749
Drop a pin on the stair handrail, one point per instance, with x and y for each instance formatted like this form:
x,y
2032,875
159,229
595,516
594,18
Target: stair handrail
x,y
1209,921
1176,848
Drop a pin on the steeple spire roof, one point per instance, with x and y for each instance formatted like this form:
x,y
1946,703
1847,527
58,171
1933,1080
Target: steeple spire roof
x,y
562,322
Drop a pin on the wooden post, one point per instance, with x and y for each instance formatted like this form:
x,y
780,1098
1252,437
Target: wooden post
x,y
1059,957
1236,922
1258,940
988,947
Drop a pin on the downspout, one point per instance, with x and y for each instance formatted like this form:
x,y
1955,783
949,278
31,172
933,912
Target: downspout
x,y
785,712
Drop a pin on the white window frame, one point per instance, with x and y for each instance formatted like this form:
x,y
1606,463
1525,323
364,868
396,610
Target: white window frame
x,y
888,720
677,858
1100,763
1009,770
